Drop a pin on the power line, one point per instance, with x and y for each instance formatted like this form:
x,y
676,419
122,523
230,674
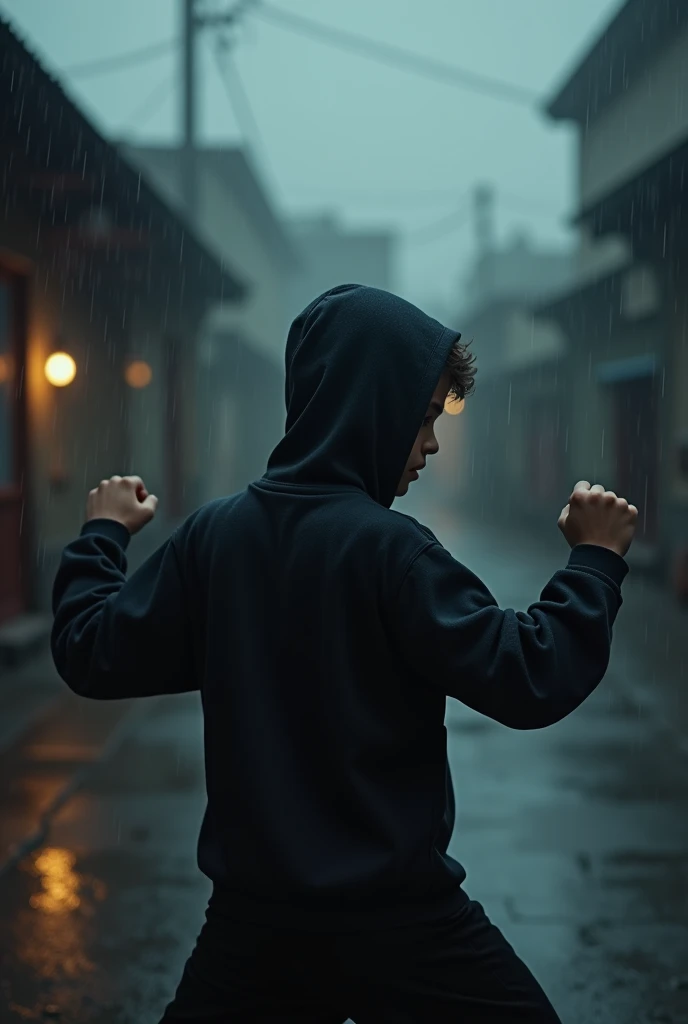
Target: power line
x,y
395,56
151,103
455,221
224,17
513,201
122,61
239,100
236,94
433,195
418,196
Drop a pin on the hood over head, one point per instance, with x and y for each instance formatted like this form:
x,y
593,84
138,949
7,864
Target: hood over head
x,y
362,365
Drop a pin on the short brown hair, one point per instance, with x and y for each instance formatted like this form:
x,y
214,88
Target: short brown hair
x,y
462,370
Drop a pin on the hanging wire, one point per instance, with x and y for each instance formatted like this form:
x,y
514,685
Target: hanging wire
x,y
395,56
122,61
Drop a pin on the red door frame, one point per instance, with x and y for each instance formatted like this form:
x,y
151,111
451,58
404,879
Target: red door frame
x,y
14,503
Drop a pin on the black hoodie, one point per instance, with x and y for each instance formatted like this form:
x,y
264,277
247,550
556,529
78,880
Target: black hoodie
x,y
325,632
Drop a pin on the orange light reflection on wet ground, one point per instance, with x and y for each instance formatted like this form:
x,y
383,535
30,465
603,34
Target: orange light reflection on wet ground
x,y
52,932
60,883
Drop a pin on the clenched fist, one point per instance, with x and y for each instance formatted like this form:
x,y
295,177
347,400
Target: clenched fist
x,y
124,499
596,516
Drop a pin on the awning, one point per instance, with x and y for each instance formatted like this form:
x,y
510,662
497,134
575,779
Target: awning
x,y
69,165
589,293
645,202
636,32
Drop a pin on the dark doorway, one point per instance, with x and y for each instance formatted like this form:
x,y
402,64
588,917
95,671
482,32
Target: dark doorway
x,y
13,589
546,451
174,444
636,416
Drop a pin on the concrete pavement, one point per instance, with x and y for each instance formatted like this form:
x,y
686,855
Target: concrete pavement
x,y
575,838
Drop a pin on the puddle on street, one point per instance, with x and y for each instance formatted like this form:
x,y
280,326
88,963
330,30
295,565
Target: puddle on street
x,y
54,905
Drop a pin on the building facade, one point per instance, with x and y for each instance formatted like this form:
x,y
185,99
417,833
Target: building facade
x,y
103,294
240,378
330,254
625,318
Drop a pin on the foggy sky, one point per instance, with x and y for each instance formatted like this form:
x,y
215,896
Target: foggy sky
x,y
342,132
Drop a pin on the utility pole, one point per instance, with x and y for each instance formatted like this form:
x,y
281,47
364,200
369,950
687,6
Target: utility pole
x,y
483,200
483,213
192,22
189,175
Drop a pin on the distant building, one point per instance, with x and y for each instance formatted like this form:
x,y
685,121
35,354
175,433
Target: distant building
x,y
331,254
241,368
518,272
237,220
509,444
99,273
503,284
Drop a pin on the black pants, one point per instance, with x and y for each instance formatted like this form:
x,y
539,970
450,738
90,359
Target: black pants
x,y
460,969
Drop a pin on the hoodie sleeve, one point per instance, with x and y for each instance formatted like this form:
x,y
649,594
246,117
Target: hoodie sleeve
x,y
115,637
526,670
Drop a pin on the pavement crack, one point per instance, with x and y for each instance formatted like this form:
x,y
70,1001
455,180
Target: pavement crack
x,y
125,727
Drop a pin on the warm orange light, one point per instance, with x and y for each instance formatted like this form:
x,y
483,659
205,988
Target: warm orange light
x,y
5,369
138,374
60,369
454,406
59,882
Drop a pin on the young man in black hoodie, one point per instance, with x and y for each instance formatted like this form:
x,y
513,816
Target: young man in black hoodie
x,y
325,632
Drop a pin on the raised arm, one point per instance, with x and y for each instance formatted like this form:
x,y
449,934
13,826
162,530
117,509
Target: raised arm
x,y
528,669
115,637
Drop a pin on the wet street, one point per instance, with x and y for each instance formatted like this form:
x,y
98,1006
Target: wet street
x,y
575,838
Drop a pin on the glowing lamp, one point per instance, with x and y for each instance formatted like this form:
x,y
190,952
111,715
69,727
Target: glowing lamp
x,y
138,374
60,369
454,406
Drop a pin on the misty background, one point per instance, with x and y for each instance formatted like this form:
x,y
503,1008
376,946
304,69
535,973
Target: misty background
x,y
338,131
517,168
